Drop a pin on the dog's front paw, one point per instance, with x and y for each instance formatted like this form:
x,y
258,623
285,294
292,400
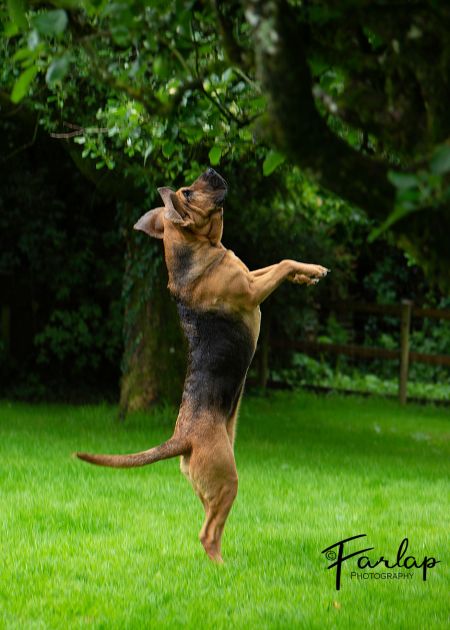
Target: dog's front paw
x,y
300,278
315,271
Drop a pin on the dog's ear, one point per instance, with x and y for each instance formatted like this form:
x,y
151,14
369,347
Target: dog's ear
x,y
173,211
152,223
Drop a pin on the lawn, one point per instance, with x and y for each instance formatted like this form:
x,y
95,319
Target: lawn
x,y
82,546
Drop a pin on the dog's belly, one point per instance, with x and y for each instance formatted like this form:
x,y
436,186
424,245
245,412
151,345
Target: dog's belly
x,y
221,348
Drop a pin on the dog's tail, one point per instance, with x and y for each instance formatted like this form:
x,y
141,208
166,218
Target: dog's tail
x,y
171,448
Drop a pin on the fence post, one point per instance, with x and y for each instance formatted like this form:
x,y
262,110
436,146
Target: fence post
x,y
405,326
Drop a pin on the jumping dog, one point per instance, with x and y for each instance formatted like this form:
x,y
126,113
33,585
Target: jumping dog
x,y
218,300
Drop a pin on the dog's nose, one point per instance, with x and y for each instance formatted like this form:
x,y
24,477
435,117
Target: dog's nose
x,y
213,178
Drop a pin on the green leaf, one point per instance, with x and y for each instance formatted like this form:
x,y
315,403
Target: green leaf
x,y
51,23
21,54
22,84
57,70
168,148
120,34
10,30
440,162
16,11
272,161
147,152
214,155
33,39
396,215
402,180
161,67
192,134
408,196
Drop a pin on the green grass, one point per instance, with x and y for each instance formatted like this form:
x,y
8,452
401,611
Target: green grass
x,y
82,546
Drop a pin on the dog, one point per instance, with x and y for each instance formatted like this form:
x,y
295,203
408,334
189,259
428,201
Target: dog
x,y
218,300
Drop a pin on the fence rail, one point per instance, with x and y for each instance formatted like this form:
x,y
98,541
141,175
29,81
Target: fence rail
x,y
363,352
390,309
404,311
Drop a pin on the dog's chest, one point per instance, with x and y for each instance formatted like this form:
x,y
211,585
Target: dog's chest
x,y
189,265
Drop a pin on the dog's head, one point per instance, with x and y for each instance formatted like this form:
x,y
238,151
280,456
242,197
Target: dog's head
x,y
197,208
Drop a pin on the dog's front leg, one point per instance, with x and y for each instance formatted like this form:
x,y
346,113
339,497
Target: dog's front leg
x,y
262,282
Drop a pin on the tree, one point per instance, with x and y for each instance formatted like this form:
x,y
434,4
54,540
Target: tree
x,y
355,93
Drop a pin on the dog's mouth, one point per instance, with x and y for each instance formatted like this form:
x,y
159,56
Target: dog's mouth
x,y
214,180
220,198
217,185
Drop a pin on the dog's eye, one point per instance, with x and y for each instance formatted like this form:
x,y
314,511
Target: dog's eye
x,y
187,194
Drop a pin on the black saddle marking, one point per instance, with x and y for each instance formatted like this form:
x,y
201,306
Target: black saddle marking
x,y
221,348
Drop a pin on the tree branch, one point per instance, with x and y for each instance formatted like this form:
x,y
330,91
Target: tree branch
x,y
78,131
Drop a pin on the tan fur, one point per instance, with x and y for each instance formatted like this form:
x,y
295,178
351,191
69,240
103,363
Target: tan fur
x,y
215,281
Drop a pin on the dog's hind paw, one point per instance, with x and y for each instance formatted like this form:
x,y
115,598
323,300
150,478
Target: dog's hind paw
x,y
212,550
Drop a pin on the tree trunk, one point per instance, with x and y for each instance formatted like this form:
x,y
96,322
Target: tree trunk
x,y
154,359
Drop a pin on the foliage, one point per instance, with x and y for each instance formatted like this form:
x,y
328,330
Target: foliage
x,y
307,372
369,73
164,75
389,281
153,78
61,261
426,188
81,337
141,90
392,280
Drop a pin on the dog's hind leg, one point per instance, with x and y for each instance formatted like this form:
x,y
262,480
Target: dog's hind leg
x,y
232,421
214,476
217,512
184,467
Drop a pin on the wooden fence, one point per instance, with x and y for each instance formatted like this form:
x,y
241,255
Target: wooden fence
x,y
404,311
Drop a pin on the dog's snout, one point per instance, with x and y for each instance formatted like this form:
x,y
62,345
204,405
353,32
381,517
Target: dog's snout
x,y
214,179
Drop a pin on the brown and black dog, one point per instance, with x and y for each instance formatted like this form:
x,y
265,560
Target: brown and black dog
x,y
218,302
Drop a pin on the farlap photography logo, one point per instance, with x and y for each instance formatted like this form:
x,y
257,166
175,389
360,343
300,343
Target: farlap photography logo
x,y
402,568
